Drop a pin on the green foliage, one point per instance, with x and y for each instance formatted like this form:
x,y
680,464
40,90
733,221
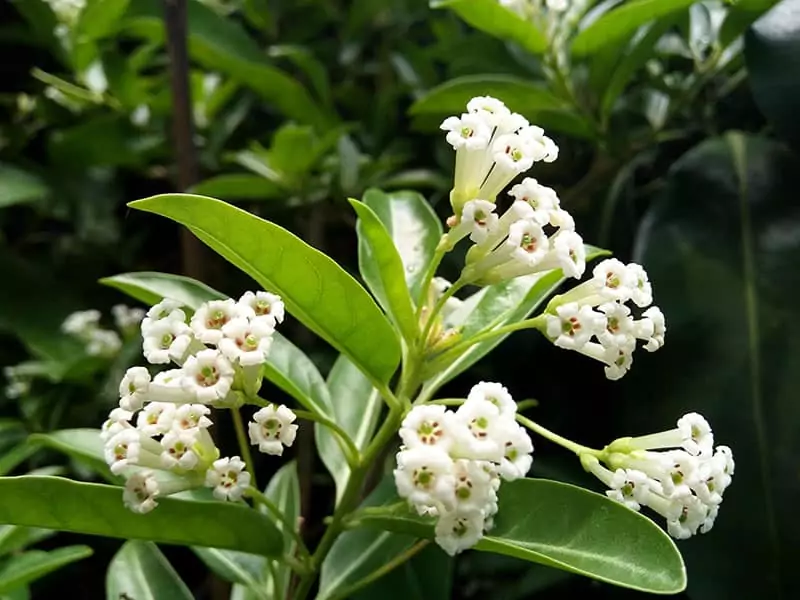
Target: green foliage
x,y
140,570
66,505
20,570
720,246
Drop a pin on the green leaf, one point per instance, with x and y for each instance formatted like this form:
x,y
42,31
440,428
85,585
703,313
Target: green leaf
x,y
84,445
65,505
151,287
496,306
427,576
622,22
498,21
772,54
721,245
220,44
251,571
357,553
99,19
356,406
567,527
29,566
13,538
529,99
139,570
18,186
11,459
413,226
382,270
239,186
315,289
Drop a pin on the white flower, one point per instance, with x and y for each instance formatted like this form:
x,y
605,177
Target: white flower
x,y
477,220
427,426
613,280
178,450
558,5
619,360
517,450
426,478
81,322
656,317
491,110
691,516
156,418
272,429
619,325
141,491
529,242
698,440
459,530
209,319
191,416
127,318
543,200
711,516
573,326
165,340
480,431
133,388
167,309
494,393
118,419
207,376
541,146
469,131
263,304
101,342
473,486
229,478
247,341
642,295
630,487
130,447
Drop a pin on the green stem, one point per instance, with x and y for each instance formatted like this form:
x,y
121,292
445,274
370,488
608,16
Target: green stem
x,y
557,439
437,308
244,445
383,570
278,515
436,260
349,449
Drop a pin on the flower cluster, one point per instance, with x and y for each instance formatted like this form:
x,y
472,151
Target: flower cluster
x,y
598,309
85,325
450,463
677,473
162,422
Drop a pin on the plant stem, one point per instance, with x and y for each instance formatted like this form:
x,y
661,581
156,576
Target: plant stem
x,y
437,308
383,570
557,439
278,514
349,449
438,255
244,445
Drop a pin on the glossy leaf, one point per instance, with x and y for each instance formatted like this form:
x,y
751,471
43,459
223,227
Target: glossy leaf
x,y
567,527
284,491
18,186
622,22
139,570
84,445
772,53
65,505
239,186
382,270
498,21
151,287
14,538
721,245
495,306
29,566
529,99
413,226
315,289
427,576
220,44
14,457
357,406
99,19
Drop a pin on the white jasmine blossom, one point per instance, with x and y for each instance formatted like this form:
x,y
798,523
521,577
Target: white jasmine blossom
x,y
459,530
166,340
477,220
480,432
157,418
118,419
81,322
426,478
207,376
517,454
696,433
130,447
141,491
127,318
208,321
642,291
133,388
263,304
656,317
102,342
619,328
428,426
228,478
573,326
272,428
167,309
613,280
496,394
473,489
630,487
191,416
178,450
247,341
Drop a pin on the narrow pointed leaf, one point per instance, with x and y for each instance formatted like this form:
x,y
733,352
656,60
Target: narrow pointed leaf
x,y
413,226
65,505
140,571
35,564
84,445
382,270
151,287
315,289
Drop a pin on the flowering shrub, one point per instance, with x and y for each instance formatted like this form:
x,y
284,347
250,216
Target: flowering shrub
x,y
215,352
